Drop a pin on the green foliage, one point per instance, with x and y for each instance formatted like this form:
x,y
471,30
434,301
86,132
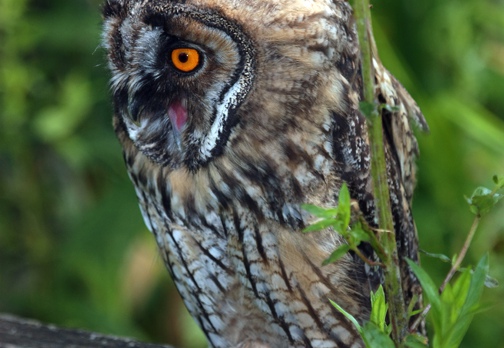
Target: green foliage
x,y
339,219
376,332
375,338
453,310
499,181
452,306
441,257
347,315
415,341
483,199
379,309
337,254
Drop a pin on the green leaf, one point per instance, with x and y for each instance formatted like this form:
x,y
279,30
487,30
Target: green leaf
x,y
411,311
320,225
431,292
379,309
320,212
490,282
477,284
454,258
416,341
441,257
344,206
359,233
375,338
465,310
348,316
415,312
337,254
460,289
499,181
483,200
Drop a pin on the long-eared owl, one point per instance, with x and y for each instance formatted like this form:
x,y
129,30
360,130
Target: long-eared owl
x,y
232,114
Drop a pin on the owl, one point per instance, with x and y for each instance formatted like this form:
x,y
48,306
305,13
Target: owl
x,y
231,115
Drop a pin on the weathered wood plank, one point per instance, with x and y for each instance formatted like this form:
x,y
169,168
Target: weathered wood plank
x,y
22,333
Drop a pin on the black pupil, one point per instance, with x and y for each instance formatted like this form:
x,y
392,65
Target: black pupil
x,y
183,57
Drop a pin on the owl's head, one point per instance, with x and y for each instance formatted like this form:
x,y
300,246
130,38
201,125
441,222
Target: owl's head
x,y
186,74
179,75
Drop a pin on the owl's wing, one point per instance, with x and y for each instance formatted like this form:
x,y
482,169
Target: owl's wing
x,y
399,117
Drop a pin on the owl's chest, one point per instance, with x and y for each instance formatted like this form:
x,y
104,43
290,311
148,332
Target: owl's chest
x,y
233,245
243,202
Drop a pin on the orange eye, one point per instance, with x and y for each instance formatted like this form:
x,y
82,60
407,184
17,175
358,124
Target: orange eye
x,y
185,59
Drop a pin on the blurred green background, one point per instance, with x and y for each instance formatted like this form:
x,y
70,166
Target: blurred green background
x,y
73,247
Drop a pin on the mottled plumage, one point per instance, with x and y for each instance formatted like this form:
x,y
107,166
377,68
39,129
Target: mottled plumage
x,y
223,155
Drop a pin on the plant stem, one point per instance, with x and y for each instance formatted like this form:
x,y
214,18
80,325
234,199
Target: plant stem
x,y
462,253
392,273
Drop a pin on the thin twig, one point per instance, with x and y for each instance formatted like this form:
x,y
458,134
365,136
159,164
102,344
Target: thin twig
x,y
373,240
366,260
420,318
462,253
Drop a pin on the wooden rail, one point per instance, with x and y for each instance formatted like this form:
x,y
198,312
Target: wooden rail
x,y
22,333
